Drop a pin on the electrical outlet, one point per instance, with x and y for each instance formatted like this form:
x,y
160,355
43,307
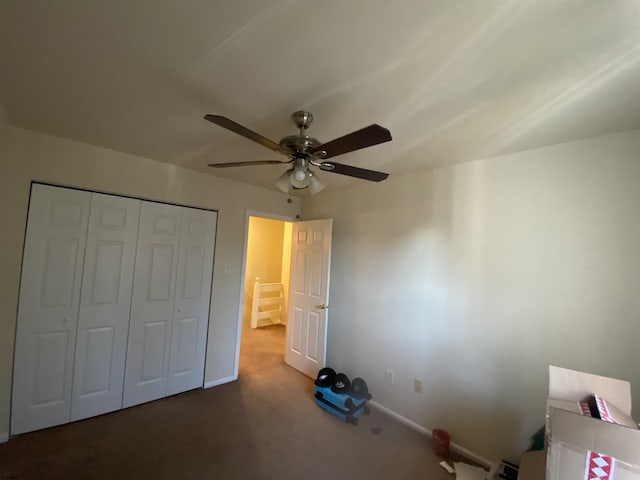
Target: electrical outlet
x,y
388,377
227,268
417,385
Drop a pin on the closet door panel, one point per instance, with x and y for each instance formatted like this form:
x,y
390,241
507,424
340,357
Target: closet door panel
x,y
105,304
152,303
192,297
48,307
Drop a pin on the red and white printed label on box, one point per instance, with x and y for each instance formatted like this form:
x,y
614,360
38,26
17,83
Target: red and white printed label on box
x,y
599,467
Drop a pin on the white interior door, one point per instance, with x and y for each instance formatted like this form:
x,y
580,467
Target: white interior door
x,y
152,303
105,303
309,296
48,307
191,306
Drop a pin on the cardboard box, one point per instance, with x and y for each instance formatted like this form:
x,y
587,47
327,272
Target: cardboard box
x,y
585,448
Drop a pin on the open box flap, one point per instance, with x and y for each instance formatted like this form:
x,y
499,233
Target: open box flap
x,y
565,384
569,405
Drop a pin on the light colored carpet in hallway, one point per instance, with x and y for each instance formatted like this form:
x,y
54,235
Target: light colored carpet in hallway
x,y
264,426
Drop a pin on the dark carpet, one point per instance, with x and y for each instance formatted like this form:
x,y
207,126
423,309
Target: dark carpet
x,y
264,426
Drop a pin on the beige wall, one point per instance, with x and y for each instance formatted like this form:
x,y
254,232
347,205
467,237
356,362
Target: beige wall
x,y
34,156
5,126
6,284
473,279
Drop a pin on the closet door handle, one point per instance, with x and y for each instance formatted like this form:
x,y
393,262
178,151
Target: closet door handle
x,y
322,306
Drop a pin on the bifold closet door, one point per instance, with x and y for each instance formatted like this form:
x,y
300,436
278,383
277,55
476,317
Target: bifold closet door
x,y
105,303
192,298
152,303
170,305
48,307
114,305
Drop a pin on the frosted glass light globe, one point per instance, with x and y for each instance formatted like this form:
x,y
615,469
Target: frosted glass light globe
x,y
300,178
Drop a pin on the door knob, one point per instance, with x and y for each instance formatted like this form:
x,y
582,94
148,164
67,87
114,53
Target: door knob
x,y
322,306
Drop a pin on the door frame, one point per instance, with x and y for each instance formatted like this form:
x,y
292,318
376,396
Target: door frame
x,y
250,213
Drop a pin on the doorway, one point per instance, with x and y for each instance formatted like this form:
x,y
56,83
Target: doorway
x,y
296,336
265,294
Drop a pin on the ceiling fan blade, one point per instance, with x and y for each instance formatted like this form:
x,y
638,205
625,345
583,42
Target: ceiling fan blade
x,y
229,124
363,138
342,169
254,162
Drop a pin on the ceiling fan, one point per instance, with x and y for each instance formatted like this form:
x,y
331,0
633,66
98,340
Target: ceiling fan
x,y
303,151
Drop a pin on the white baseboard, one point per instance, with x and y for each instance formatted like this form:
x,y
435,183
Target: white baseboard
x,y
425,431
220,381
4,437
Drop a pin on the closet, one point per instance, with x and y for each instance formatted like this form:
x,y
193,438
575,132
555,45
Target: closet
x,y
114,305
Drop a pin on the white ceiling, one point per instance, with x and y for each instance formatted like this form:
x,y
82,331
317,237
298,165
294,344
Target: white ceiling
x,y
453,81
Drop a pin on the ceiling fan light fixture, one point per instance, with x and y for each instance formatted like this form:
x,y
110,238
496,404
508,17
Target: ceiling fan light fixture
x,y
300,178
283,183
315,185
288,181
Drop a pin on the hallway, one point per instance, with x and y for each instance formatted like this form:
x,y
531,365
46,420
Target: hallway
x,y
261,351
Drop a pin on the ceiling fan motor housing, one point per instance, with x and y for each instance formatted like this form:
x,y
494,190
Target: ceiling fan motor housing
x,y
299,145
